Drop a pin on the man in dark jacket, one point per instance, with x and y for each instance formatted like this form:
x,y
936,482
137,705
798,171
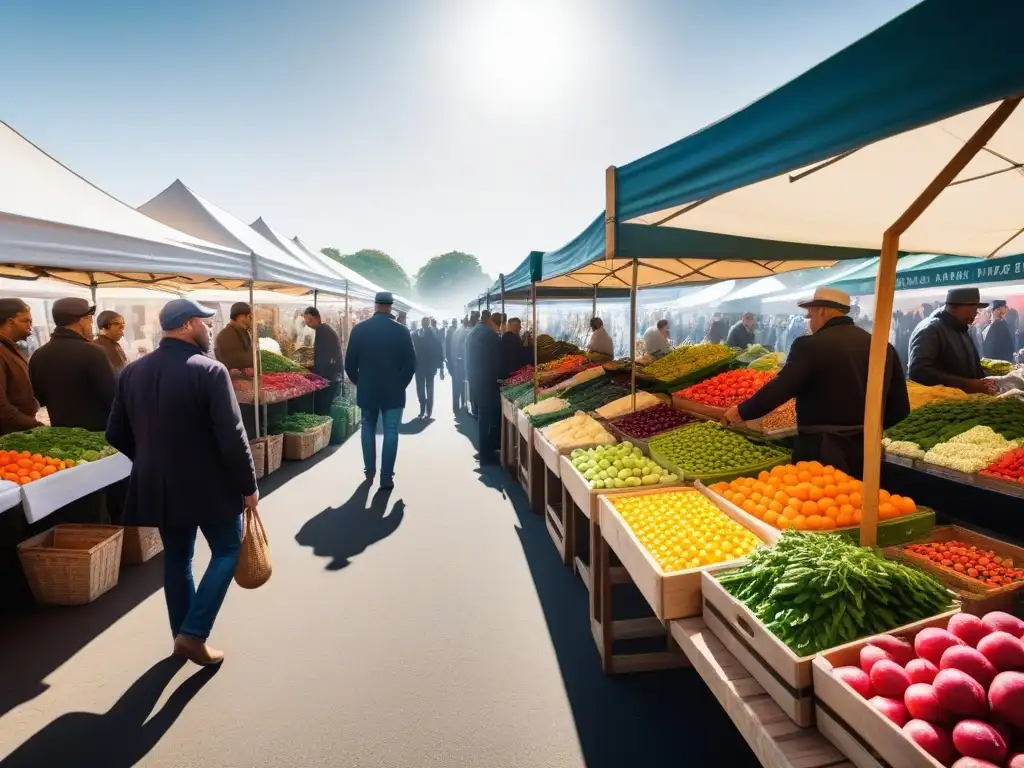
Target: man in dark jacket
x,y
428,358
328,360
380,361
176,417
479,323
233,346
742,333
941,349
488,367
827,374
71,376
18,404
1000,343
512,350
718,331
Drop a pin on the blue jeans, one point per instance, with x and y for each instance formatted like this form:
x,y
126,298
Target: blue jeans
x,y
391,417
192,611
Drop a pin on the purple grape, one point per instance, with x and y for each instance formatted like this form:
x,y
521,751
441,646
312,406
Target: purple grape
x,y
652,421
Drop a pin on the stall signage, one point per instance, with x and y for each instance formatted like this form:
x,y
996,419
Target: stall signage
x,y
999,270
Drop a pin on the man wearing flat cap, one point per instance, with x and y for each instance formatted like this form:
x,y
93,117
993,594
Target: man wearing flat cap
x,y
380,361
234,343
999,337
827,373
71,376
941,349
111,326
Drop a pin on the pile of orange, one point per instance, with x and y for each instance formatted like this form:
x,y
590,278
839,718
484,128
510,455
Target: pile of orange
x,y
808,496
25,467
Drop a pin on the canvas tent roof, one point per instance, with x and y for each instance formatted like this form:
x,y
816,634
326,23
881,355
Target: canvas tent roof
x,y
55,223
180,207
836,155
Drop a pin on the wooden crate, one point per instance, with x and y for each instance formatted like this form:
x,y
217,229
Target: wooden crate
x,y
855,727
530,469
775,740
974,596
670,595
301,445
509,443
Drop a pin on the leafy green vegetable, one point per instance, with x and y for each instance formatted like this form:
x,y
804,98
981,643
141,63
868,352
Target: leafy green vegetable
x,y
59,443
938,421
816,591
298,422
271,362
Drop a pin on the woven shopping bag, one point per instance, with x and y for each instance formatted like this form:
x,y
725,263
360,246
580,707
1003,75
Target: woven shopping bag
x,y
254,566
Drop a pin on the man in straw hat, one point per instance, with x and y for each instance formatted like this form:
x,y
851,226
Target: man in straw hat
x,y
827,373
941,349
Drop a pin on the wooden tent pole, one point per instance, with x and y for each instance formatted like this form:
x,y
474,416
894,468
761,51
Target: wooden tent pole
x,y
632,338
610,211
594,313
885,285
533,332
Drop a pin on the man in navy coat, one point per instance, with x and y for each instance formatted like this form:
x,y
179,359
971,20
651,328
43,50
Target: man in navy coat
x,y
176,417
380,361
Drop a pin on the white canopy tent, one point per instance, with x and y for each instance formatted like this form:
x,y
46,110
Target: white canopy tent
x,y
54,223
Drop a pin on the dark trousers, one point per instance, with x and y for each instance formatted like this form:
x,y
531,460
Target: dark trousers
x,y
425,391
489,428
324,398
458,388
192,611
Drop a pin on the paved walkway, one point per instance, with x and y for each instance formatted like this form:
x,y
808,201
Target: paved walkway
x,y
433,626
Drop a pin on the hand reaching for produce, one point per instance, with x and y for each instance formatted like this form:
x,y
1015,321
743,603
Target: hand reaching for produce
x,y
732,415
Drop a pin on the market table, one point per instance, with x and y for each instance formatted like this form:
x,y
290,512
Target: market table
x,y
44,497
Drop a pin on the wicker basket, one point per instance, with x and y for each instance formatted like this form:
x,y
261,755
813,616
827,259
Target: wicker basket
x,y
259,455
141,543
274,451
72,564
302,445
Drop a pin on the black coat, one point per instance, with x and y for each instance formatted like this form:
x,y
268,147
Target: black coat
x,y
486,366
739,336
176,417
380,361
514,354
73,380
429,353
827,374
328,360
942,352
999,341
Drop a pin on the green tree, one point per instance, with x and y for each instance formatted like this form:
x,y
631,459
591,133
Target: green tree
x,y
376,266
452,275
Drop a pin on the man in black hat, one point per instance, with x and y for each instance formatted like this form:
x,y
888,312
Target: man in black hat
x,y
380,361
999,337
71,376
941,350
328,360
827,373
233,346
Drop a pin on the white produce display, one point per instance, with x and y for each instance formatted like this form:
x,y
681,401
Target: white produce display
x,y
43,497
10,495
577,431
550,405
624,405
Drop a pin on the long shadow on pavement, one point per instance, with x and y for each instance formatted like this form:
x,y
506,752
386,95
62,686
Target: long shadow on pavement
x,y
341,533
35,644
119,738
656,718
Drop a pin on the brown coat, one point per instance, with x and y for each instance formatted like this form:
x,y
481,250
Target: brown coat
x,y
18,404
233,347
115,354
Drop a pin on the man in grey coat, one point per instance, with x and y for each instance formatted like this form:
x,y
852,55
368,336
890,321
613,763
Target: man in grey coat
x,y
941,349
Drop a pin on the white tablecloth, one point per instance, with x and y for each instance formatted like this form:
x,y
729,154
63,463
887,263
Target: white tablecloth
x,y
44,497
10,495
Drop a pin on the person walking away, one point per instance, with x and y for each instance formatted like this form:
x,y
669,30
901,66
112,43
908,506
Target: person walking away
x,y
111,327
600,348
656,338
514,354
233,346
941,349
18,406
489,363
71,376
328,360
381,362
999,343
428,357
479,324
459,339
827,374
176,417
742,334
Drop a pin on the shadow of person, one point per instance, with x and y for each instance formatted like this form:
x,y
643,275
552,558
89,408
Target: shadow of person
x,y
119,738
415,426
341,533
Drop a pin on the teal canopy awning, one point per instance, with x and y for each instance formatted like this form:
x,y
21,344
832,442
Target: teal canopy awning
x,y
940,272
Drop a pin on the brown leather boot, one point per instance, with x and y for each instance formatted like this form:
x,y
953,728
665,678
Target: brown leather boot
x,y
197,651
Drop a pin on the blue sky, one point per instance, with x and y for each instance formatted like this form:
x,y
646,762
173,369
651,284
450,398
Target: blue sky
x,y
414,126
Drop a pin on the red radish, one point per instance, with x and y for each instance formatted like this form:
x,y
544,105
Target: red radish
x,y
973,738
932,642
892,709
933,739
1004,650
921,671
968,628
1006,695
923,704
871,654
899,650
971,661
998,621
889,679
960,693
856,678
973,762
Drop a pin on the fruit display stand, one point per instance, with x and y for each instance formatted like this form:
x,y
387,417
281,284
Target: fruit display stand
x,y
43,497
975,597
995,485
530,468
509,436
299,446
775,740
556,515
